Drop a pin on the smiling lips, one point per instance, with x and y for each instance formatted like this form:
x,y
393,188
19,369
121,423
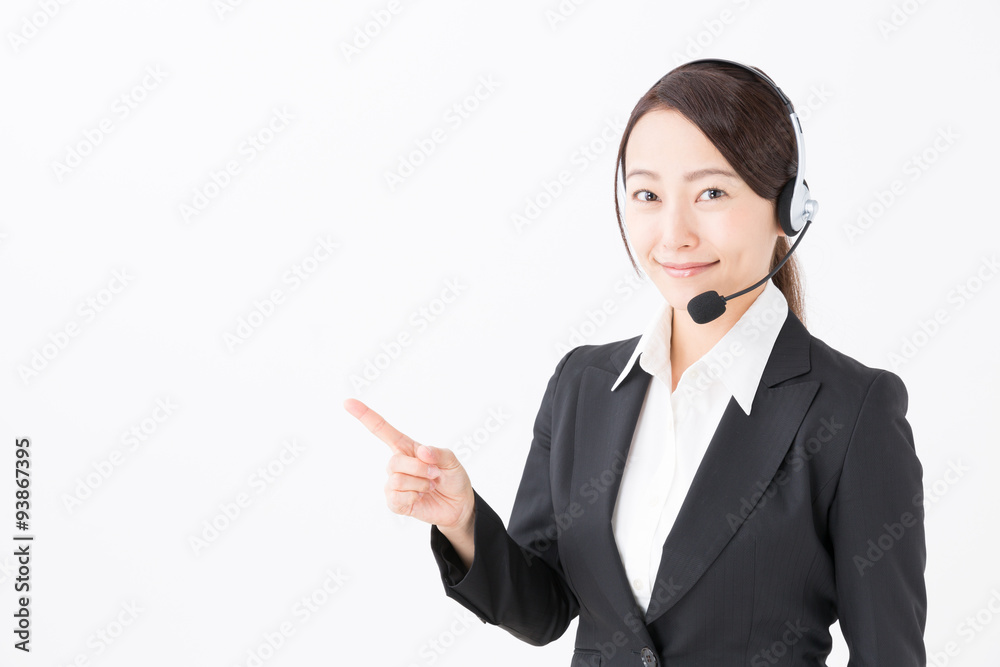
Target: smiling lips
x,y
686,270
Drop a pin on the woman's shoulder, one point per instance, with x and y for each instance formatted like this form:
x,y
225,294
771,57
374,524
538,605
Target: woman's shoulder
x,y
847,385
825,362
847,371
611,356
838,371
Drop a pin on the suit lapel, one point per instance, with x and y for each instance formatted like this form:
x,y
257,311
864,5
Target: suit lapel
x,y
605,421
742,458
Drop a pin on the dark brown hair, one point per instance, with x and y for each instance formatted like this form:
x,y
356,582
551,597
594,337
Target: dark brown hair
x,y
748,123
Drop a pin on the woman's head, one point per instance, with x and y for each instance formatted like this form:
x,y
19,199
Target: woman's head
x,y
695,124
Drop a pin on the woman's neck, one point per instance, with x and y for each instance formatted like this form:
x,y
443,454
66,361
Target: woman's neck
x,y
690,341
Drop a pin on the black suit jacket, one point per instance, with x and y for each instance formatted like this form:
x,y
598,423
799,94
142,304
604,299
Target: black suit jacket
x,y
808,510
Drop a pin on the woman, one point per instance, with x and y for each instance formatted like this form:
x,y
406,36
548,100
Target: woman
x,y
722,488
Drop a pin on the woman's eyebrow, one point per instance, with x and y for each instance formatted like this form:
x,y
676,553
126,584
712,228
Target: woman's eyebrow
x,y
643,172
690,176
709,171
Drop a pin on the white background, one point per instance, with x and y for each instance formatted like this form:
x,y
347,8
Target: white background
x,y
870,101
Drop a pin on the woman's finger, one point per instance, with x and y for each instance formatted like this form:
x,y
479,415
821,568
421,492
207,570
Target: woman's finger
x,y
411,466
382,429
402,502
401,482
439,457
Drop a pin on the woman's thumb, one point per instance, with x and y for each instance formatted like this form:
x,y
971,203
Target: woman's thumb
x,y
442,458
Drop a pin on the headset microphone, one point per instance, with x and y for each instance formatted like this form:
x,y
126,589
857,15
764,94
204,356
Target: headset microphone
x,y
707,306
795,210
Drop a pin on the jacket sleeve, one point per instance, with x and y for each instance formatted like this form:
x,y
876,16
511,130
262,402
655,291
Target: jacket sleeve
x,y
877,531
518,585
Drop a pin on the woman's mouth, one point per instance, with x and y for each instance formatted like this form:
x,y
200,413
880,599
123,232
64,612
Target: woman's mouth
x,y
687,270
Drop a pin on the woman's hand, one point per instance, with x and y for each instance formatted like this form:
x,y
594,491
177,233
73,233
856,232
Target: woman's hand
x,y
427,483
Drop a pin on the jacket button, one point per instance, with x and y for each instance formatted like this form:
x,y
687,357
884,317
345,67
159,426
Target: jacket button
x,y
648,658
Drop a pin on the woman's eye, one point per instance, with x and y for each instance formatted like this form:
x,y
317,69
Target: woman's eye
x,y
647,196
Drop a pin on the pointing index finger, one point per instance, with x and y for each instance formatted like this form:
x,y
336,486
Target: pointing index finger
x,y
382,429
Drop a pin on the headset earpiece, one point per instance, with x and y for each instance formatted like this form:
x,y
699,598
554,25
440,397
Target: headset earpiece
x,y
794,206
784,206
791,220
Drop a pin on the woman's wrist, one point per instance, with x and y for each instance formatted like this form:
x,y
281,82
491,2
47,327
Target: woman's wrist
x,y
462,538
462,532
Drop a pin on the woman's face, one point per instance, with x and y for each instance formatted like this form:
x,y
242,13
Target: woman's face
x,y
685,204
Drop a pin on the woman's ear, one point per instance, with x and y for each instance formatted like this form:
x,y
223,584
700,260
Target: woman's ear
x,y
777,225
777,221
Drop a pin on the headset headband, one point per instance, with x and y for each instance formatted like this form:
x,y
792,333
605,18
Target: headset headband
x,y
795,207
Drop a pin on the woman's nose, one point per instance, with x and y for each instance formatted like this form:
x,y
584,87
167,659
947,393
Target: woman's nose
x,y
675,227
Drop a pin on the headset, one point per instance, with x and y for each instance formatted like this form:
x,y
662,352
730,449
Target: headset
x,y
796,209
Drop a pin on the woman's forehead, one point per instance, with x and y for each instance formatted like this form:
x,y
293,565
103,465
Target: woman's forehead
x,y
672,147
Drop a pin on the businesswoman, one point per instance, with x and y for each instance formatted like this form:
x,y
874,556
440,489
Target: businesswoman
x,y
720,489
